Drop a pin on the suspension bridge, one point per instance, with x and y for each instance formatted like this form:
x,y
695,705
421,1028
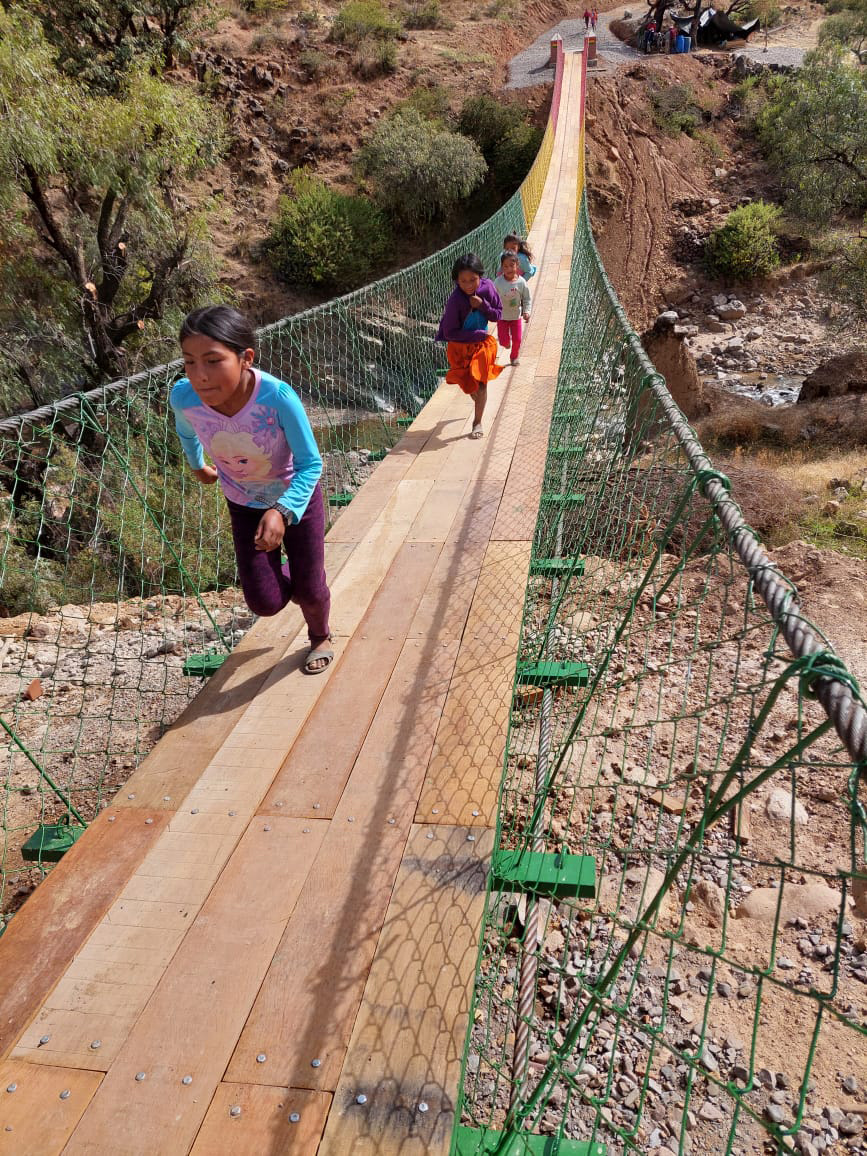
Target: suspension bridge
x,y
471,890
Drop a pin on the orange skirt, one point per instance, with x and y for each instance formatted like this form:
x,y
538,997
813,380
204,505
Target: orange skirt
x,y
472,364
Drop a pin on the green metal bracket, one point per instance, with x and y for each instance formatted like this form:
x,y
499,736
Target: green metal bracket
x,y
376,455
480,1142
343,498
50,842
558,567
564,499
203,665
405,421
554,673
544,873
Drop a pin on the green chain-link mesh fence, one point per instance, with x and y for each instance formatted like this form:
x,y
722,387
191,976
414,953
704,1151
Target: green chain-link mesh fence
x,y
707,992
116,566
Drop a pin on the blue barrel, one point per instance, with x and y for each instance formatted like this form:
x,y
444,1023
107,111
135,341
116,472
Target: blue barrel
x,y
680,43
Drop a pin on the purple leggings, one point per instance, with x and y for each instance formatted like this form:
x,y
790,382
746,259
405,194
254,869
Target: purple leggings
x,y
268,586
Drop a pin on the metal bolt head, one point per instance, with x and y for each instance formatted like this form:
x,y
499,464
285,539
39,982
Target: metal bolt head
x,y
235,1110
391,822
305,831
64,1095
429,835
280,804
315,1063
471,838
11,1087
44,1039
316,806
294,1117
361,1098
267,827
112,818
435,811
232,814
149,822
140,1076
476,814
422,1106
96,1044
167,798
261,1058
131,796
194,811
187,1080
351,819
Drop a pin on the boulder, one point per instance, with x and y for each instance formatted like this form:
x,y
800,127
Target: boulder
x,y
782,805
732,310
845,373
805,901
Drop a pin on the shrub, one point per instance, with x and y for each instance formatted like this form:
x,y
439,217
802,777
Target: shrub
x,y
486,121
514,153
324,237
360,20
314,64
432,103
425,14
746,246
674,109
373,57
420,172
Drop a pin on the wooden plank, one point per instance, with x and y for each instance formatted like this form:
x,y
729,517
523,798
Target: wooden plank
x,y
34,1120
264,1124
519,508
408,1038
322,757
309,998
194,1018
188,745
45,934
466,764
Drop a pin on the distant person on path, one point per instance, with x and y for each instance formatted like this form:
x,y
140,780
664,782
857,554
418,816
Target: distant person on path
x,y
594,18
587,15
471,350
672,40
515,244
649,35
515,296
254,428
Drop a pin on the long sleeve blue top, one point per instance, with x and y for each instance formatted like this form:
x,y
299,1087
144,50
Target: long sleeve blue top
x,y
458,308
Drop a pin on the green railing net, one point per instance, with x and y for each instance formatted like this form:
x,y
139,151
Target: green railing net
x,y
116,566
708,995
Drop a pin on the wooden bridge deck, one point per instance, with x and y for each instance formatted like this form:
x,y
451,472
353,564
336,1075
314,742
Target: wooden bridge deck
x,y
280,912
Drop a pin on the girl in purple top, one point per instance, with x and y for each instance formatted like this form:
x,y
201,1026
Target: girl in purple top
x,y
471,350
255,430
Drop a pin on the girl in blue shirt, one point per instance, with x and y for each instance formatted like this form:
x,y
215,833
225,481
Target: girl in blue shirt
x,y
254,429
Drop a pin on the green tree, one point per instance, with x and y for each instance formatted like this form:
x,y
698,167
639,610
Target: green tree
x,y
814,131
97,41
419,171
324,237
90,184
848,28
746,245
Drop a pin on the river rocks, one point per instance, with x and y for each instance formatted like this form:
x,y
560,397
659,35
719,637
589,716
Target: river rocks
x,y
844,374
783,807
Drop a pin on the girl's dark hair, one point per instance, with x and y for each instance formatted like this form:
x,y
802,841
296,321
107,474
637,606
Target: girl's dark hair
x,y
221,323
469,263
523,247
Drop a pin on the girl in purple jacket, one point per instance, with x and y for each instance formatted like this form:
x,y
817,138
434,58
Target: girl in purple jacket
x,y
471,350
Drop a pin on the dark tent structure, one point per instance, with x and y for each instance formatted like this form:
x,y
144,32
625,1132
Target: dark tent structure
x,y
714,27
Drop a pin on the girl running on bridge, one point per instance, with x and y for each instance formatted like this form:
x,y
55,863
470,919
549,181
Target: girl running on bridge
x,y
515,244
256,432
515,295
471,350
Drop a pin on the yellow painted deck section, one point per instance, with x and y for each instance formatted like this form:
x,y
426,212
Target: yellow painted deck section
x,y
293,919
